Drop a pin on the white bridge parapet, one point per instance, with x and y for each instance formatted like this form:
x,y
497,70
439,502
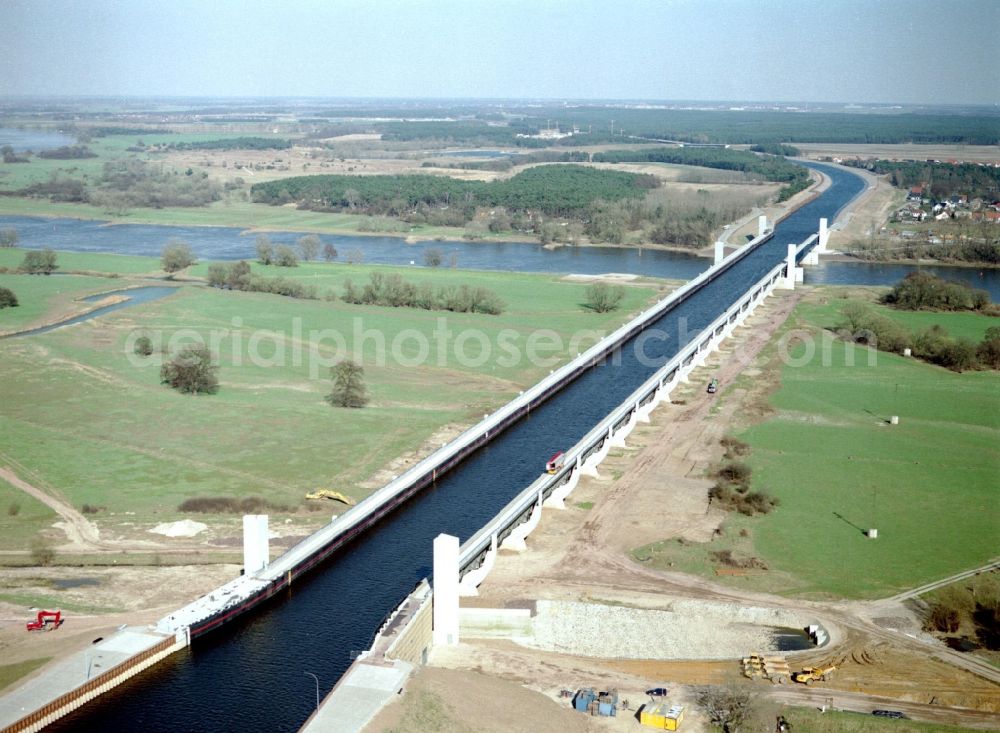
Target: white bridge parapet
x,y
550,491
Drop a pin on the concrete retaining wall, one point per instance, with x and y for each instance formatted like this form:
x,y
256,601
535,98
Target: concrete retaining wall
x,y
414,641
65,704
505,623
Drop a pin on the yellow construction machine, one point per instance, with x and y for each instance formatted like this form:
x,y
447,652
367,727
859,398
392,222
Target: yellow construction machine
x,y
329,494
813,674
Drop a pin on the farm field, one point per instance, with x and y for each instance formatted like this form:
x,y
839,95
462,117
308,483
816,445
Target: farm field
x,y
903,151
92,422
826,450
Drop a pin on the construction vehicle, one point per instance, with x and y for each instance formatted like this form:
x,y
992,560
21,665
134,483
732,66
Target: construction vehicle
x,y
45,621
813,674
713,386
329,494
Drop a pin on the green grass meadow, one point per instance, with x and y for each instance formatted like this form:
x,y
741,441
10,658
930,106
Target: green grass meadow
x,y
929,485
41,297
94,421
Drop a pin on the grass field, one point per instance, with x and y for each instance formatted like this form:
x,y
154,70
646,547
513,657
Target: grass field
x,y
813,721
828,453
113,264
39,296
104,431
11,673
21,516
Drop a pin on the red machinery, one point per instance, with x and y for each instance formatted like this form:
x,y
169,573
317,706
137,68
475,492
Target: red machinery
x,y
45,621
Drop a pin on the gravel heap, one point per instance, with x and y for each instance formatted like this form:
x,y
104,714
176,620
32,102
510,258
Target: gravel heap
x,y
686,629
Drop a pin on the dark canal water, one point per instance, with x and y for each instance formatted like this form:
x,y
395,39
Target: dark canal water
x,y
251,675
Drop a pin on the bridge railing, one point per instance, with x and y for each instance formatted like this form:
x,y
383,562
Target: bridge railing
x,y
676,368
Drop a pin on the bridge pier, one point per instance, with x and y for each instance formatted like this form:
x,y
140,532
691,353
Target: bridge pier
x,y
589,467
256,549
618,438
515,540
824,236
720,252
555,500
642,412
761,225
469,584
445,618
793,274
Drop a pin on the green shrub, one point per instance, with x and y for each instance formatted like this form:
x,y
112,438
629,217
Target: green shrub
x,y
143,346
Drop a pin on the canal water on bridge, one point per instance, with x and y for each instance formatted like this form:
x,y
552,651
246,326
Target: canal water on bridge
x,y
251,674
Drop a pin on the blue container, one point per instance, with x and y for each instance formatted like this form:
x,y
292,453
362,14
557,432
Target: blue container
x,y
583,700
606,709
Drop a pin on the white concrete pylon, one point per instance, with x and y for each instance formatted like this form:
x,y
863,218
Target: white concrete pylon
x,y
761,225
256,544
445,584
788,281
720,252
824,236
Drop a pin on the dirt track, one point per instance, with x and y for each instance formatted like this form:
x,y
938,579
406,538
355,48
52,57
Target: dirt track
x,y
82,535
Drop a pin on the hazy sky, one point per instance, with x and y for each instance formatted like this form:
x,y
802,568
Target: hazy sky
x,y
913,51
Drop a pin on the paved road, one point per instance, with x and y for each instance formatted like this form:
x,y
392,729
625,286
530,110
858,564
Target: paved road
x,y
993,564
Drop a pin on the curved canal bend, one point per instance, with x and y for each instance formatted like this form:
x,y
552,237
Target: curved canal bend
x,y
250,675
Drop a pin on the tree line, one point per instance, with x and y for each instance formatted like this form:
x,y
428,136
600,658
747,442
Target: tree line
x,y
395,292
234,143
920,291
552,189
129,183
768,167
602,124
941,179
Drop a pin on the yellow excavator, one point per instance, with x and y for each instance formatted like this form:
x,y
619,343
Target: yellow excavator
x,y
329,494
813,674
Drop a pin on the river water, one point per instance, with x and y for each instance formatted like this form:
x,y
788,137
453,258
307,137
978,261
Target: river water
x,y
229,243
251,675
34,140
136,296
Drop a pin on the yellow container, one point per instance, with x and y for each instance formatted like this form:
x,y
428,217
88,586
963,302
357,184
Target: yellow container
x,y
662,716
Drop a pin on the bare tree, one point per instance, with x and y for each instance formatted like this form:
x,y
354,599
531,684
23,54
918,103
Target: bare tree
x,y
309,246
265,250
433,257
284,256
734,707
